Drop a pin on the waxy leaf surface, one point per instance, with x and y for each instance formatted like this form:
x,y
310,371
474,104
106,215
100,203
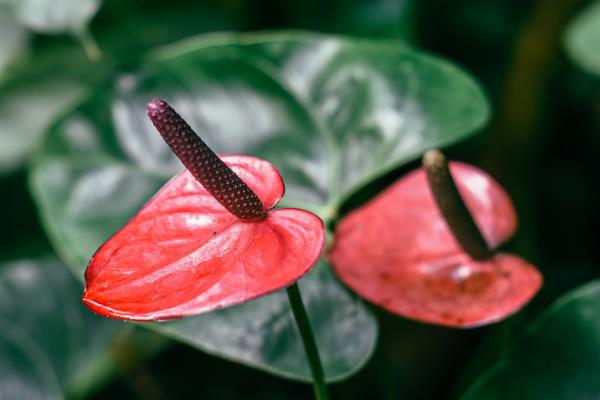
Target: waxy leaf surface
x,y
556,357
251,94
184,253
398,252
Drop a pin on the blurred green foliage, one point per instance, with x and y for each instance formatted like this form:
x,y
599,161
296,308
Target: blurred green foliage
x,y
583,39
542,143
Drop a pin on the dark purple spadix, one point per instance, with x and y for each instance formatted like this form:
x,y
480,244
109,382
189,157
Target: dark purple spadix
x,y
216,177
453,208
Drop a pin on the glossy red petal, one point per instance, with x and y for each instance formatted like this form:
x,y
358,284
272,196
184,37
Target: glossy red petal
x,y
184,254
398,252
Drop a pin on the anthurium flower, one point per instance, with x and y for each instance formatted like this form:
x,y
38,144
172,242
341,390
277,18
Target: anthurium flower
x,y
209,238
431,258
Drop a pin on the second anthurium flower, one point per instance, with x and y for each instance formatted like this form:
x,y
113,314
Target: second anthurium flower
x,y
208,239
425,248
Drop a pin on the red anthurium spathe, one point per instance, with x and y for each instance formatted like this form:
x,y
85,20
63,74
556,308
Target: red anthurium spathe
x,y
186,252
398,252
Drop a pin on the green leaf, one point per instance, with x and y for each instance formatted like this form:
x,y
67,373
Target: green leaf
x,y
558,356
377,104
383,103
583,39
329,113
53,16
46,326
13,39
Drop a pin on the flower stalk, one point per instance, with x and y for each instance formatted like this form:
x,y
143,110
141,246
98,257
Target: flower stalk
x,y
308,340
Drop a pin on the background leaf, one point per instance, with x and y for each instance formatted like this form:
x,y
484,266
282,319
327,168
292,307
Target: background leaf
x,y
557,358
48,328
53,16
33,97
13,39
328,125
583,39
25,372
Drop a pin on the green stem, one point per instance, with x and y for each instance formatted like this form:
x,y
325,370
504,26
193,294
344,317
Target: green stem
x,y
308,340
89,44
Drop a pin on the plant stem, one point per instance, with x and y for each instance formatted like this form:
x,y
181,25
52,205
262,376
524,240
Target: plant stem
x,y
89,44
453,208
308,340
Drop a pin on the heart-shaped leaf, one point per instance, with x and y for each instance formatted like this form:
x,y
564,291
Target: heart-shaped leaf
x,y
45,325
557,357
378,104
583,39
398,252
256,95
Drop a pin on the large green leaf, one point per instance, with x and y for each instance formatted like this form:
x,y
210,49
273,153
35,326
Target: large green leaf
x,y
53,16
44,325
330,114
379,104
583,39
557,358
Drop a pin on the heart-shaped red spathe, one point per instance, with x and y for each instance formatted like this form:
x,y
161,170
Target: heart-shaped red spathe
x,y
398,253
184,253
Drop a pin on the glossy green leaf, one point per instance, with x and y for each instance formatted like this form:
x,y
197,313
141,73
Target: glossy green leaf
x,y
379,104
558,356
330,114
53,16
13,39
46,326
583,39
